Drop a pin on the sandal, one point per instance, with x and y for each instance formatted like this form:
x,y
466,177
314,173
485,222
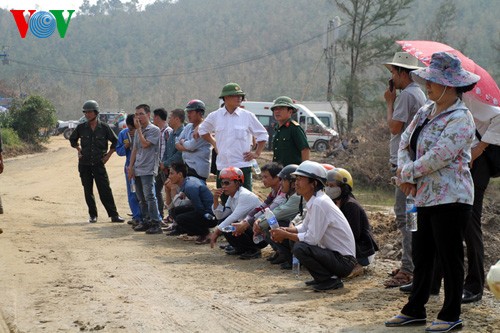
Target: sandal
x,y
444,326
394,272
402,320
358,270
400,279
202,240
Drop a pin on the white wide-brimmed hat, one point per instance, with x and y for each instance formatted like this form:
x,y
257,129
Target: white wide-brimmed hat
x,y
403,59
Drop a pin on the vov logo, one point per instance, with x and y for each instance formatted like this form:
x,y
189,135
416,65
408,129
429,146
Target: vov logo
x,y
42,24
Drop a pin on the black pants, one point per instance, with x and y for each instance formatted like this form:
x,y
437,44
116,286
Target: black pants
x,y
321,263
440,234
159,181
193,223
474,281
244,241
89,173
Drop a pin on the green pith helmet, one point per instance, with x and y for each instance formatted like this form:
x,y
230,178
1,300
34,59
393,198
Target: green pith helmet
x,y
284,101
91,105
232,89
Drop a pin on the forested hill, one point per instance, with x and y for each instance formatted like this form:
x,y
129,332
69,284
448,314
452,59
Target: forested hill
x,y
173,52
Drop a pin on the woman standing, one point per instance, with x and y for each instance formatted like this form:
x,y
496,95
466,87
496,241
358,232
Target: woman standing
x,y
434,156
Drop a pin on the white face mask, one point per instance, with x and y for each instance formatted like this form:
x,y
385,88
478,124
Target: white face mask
x,y
333,192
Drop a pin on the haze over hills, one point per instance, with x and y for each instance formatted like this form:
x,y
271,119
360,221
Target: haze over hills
x,y
173,52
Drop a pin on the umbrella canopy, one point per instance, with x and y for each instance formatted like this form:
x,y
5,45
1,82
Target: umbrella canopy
x,y
486,90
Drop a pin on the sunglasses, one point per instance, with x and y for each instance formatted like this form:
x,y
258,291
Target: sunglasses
x,y
225,183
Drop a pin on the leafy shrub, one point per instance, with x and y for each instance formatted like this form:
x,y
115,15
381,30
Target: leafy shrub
x,y
33,118
10,139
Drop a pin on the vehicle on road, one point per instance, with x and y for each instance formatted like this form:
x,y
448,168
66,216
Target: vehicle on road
x,y
115,120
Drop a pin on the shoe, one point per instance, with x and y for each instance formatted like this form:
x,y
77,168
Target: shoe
x,y
358,270
311,282
468,297
154,230
273,256
287,265
444,326
223,246
117,219
202,240
142,227
173,232
233,251
329,284
400,279
406,288
402,320
250,254
93,219
280,259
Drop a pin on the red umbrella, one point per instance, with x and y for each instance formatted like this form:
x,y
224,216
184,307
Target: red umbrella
x,y
486,90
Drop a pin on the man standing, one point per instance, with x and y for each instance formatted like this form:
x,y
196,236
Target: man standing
x,y
324,242
196,153
160,121
92,156
234,130
124,148
289,142
144,167
400,112
176,122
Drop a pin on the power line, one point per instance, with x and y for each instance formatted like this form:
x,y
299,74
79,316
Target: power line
x,y
193,71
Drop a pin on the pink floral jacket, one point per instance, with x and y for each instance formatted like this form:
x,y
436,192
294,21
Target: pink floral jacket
x,y
441,167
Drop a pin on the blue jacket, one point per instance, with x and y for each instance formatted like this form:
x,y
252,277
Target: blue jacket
x,y
199,194
121,150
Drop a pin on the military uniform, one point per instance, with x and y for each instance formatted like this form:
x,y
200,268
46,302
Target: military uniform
x,y
288,142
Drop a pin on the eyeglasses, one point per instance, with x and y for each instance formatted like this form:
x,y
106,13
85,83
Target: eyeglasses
x,y
225,183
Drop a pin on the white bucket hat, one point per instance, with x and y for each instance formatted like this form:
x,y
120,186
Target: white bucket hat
x,y
403,59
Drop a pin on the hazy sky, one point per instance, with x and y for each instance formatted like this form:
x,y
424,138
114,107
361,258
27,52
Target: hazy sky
x,y
50,4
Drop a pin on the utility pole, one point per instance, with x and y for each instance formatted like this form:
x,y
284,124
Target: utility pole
x,y
4,55
330,50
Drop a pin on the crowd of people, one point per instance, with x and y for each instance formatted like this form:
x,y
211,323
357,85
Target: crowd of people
x,y
310,214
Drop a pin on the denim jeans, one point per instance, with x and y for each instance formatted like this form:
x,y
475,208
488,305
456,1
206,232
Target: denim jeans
x,y
145,190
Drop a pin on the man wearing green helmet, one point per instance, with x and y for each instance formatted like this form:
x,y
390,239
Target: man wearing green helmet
x,y
234,130
289,142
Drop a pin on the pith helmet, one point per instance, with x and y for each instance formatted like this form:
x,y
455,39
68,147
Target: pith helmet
x,y
231,89
284,101
91,105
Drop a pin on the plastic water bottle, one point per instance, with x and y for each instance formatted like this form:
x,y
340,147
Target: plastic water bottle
x,y
258,238
255,166
209,217
132,185
271,219
229,228
295,266
411,214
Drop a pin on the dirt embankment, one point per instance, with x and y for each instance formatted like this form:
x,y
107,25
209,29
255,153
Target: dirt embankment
x,y
60,273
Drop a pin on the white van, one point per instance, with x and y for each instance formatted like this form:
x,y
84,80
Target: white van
x,y
326,117
318,134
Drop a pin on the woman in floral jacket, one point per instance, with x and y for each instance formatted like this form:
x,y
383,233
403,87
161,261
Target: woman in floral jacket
x,y
433,160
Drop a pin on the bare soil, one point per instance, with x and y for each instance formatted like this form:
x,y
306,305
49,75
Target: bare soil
x,y
61,274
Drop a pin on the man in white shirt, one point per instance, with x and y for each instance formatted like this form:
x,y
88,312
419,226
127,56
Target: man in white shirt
x,y
324,241
234,130
240,202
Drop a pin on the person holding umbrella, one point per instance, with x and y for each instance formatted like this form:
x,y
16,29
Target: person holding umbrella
x,y
433,167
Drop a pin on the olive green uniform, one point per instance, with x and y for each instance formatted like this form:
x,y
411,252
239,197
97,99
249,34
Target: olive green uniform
x,y
288,142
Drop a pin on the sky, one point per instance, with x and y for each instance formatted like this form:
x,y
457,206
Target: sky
x,y
51,4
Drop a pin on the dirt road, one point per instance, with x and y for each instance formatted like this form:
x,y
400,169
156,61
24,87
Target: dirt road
x,y
59,273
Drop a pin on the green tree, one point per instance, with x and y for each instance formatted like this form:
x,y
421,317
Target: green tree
x,y
32,118
370,38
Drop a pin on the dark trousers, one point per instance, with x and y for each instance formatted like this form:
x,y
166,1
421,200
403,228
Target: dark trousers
x,y
244,241
89,173
159,181
193,223
474,281
439,235
321,263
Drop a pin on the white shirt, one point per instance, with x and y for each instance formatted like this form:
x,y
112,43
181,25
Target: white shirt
x,y
233,135
326,226
237,207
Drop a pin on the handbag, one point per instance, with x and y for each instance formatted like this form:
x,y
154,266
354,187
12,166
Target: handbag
x,y
492,155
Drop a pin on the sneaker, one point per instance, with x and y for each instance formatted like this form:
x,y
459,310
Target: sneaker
x,y
142,227
92,219
154,230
